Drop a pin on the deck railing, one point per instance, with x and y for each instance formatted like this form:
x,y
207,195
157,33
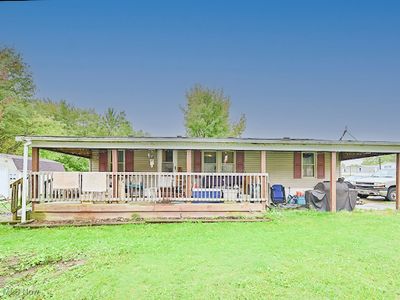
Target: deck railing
x,y
147,187
16,197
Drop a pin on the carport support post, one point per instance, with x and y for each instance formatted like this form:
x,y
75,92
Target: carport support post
x,y
24,182
397,181
333,182
263,169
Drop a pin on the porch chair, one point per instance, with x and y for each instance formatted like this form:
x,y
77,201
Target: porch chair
x,y
278,194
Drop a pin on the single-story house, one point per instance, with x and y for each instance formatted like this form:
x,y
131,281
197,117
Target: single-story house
x,y
11,167
180,176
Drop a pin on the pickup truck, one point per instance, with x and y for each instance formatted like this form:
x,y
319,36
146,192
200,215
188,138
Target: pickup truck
x,y
382,183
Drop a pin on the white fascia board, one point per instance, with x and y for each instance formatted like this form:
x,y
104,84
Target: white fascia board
x,y
270,145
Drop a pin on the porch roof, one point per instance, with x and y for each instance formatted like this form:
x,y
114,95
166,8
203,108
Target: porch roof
x,y
83,145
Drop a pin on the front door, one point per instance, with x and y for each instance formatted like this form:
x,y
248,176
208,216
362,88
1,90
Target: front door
x,y
168,160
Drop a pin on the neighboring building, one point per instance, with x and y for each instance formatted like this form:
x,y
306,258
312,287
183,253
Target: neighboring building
x,y
356,168
11,167
389,165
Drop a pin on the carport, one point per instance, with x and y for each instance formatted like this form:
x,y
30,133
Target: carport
x,y
354,155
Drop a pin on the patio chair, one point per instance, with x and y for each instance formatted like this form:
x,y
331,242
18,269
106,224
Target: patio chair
x,y
278,194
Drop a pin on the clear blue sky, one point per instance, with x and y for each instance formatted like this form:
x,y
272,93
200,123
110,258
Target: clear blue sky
x,y
295,68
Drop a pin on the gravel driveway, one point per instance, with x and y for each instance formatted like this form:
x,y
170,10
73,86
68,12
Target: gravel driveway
x,y
376,203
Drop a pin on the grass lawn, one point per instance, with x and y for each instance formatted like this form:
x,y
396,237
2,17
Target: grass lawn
x,y
297,255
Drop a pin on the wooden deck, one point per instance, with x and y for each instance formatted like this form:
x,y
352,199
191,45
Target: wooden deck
x,y
107,195
96,211
147,187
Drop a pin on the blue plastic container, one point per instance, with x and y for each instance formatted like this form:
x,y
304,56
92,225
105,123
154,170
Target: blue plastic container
x,y
301,200
206,193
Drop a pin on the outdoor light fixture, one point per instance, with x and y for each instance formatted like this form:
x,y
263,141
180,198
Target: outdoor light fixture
x,y
150,155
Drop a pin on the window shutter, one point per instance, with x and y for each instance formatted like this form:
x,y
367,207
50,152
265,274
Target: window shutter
x,y
103,161
321,165
197,161
129,160
297,165
239,161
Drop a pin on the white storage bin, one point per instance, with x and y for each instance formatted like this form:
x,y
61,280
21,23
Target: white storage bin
x,y
231,194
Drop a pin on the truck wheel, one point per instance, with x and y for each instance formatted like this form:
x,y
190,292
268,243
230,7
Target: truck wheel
x,y
363,196
391,195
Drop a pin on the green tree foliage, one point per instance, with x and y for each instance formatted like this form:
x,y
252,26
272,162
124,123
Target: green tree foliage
x,y
373,161
70,162
20,114
15,77
207,114
115,123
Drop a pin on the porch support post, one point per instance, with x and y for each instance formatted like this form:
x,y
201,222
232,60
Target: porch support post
x,y
397,181
25,182
114,169
263,161
114,160
263,169
175,160
189,170
333,182
159,160
34,178
35,159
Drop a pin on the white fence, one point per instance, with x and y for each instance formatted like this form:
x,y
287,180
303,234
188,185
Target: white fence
x,y
147,187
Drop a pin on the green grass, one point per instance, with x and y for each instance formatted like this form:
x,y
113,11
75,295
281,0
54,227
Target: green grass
x,y
297,255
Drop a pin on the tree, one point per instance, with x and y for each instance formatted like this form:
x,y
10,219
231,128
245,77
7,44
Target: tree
x,y
207,114
376,160
20,114
15,78
115,123
23,118
70,162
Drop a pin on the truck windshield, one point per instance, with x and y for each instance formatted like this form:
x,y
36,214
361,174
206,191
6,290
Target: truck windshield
x,y
386,173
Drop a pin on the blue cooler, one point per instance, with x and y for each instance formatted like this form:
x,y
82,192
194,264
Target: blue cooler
x,y
206,193
301,200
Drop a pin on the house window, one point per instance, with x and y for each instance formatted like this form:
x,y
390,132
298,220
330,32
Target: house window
x,y
210,162
228,162
219,161
13,177
167,161
121,160
308,164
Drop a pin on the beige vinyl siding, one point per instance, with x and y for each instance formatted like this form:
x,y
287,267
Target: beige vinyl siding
x,y
182,160
141,161
252,161
280,168
94,161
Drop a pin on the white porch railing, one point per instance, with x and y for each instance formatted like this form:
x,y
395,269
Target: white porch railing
x,y
147,187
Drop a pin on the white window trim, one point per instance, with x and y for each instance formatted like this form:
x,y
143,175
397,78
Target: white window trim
x,y
160,159
218,159
202,159
315,164
234,160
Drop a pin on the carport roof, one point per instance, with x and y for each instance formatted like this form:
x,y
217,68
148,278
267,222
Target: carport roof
x,y
82,146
